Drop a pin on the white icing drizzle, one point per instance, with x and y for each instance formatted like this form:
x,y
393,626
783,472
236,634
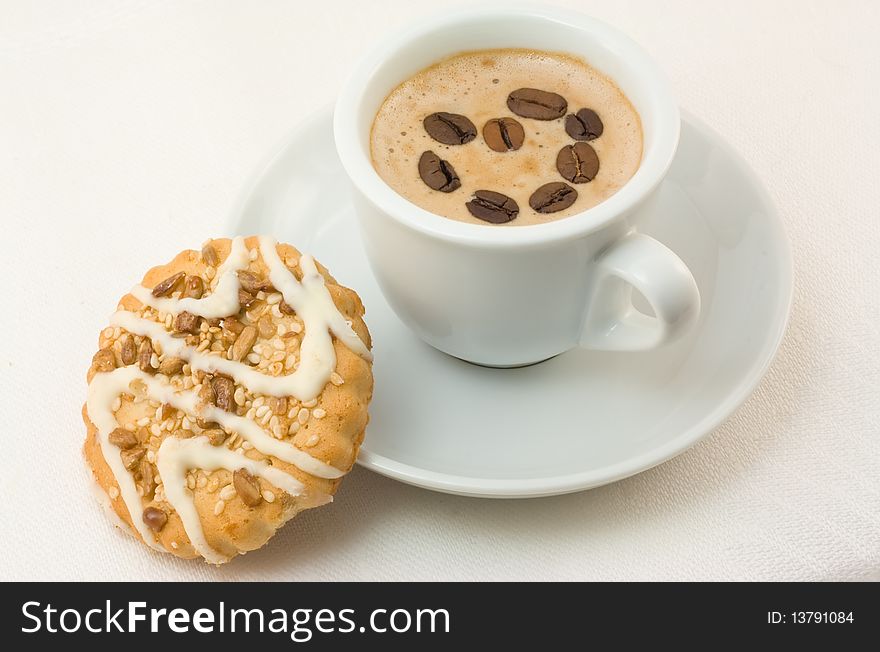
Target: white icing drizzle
x,y
103,390
222,302
177,456
106,387
313,303
315,307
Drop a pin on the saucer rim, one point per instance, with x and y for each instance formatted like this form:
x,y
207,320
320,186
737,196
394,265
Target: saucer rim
x,y
554,485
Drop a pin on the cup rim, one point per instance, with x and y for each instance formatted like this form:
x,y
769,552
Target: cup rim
x,y
652,169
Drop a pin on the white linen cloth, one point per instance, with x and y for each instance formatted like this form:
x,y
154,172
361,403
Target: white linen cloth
x,y
128,127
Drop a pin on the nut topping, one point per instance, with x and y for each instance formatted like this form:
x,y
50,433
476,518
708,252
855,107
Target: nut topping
x,y
252,283
171,366
131,457
286,309
148,478
265,327
145,356
169,285
224,390
278,404
247,487
209,255
194,287
155,518
104,360
243,343
128,351
187,322
216,436
122,438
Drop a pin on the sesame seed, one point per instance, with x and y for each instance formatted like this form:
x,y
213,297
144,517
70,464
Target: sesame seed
x,y
293,428
154,361
276,311
336,379
273,298
151,456
281,330
278,344
113,492
278,356
219,507
296,327
202,482
311,441
117,403
265,420
190,482
168,321
290,361
239,396
319,413
174,545
253,358
107,333
155,430
263,409
227,492
303,415
210,272
268,496
279,431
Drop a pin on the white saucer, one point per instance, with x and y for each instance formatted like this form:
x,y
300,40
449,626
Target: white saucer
x,y
584,418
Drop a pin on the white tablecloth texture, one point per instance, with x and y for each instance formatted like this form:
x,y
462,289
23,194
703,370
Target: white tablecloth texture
x,y
126,130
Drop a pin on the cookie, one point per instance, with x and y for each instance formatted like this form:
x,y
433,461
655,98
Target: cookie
x,y
228,394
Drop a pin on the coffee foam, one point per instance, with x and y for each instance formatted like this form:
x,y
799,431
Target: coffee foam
x,y
476,84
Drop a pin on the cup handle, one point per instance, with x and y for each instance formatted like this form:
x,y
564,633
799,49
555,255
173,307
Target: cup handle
x,y
639,261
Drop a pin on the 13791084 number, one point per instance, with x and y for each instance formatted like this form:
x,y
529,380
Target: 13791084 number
x,y
806,617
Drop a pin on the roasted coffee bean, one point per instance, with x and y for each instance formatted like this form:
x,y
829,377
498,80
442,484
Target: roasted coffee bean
x,y
169,285
584,125
503,134
552,197
537,104
155,518
578,163
437,173
492,207
450,128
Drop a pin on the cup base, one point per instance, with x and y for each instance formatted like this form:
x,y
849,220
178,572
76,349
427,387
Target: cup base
x,y
504,366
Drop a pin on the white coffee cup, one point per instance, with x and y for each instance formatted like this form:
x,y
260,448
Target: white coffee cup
x,y
516,295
